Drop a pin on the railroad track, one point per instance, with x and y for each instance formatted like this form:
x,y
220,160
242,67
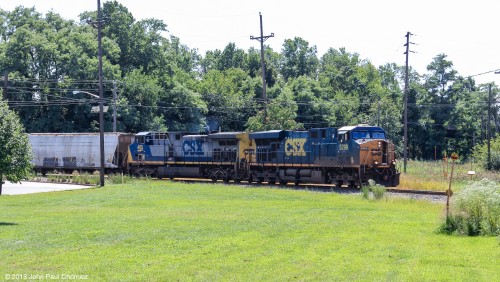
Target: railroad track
x,y
315,187
410,193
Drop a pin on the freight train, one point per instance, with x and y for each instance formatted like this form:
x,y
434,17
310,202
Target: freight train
x,y
349,155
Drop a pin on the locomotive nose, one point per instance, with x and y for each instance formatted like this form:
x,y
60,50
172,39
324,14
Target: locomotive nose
x,y
375,153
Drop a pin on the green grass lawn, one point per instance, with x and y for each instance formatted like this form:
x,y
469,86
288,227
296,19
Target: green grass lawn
x,y
167,231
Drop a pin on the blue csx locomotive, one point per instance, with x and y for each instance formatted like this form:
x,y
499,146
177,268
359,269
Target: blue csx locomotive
x,y
349,155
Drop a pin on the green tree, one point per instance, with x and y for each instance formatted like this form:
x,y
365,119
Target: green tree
x,y
47,58
15,152
480,154
184,109
280,113
435,104
230,97
232,57
298,59
390,107
310,98
464,121
354,88
139,102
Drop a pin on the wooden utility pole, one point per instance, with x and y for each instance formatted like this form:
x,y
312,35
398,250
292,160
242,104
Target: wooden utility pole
x,y
261,39
405,149
101,93
454,157
488,124
5,84
114,106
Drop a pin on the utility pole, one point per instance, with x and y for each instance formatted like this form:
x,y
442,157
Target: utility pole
x,y
98,24
5,84
101,93
114,106
378,115
261,39
489,127
405,150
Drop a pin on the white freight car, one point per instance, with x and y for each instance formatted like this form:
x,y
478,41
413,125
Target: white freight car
x,y
78,151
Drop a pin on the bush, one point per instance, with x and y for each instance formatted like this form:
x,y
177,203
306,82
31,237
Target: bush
x,y
365,192
86,178
475,210
119,178
480,154
377,190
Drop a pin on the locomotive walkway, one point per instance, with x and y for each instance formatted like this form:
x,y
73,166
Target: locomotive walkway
x,y
27,187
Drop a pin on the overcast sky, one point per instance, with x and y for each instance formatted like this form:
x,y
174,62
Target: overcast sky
x,y
468,32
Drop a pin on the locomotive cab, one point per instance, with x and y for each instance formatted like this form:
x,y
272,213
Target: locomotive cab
x,y
372,152
371,143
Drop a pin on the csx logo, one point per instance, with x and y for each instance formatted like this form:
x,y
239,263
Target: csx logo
x,y
193,147
295,147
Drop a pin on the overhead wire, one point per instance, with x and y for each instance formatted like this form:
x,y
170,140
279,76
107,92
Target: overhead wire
x,y
58,100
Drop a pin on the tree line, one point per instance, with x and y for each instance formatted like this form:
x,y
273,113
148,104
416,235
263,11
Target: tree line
x,y
163,84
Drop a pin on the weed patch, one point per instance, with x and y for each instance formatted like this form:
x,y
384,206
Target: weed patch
x,y
475,210
377,190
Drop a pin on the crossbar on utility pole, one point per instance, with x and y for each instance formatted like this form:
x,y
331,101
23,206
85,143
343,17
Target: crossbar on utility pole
x,y
261,39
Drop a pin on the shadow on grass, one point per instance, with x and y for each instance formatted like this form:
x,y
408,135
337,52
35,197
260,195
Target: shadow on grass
x,y
7,223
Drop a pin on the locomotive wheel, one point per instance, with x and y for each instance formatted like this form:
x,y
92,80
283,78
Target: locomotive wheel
x,y
283,183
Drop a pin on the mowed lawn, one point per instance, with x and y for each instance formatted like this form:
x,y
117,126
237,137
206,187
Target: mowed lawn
x,y
169,231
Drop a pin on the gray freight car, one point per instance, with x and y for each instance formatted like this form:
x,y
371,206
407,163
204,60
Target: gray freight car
x,y
67,152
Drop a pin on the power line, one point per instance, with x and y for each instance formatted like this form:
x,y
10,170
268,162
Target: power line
x,y
486,72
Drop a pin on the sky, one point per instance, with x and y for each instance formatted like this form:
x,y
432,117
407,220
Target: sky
x,y
468,32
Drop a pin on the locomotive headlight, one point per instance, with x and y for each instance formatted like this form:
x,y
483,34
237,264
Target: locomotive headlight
x,y
379,144
376,163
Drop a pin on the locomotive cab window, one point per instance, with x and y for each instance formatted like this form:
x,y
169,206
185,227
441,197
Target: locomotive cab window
x,y
140,139
343,136
360,135
378,135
